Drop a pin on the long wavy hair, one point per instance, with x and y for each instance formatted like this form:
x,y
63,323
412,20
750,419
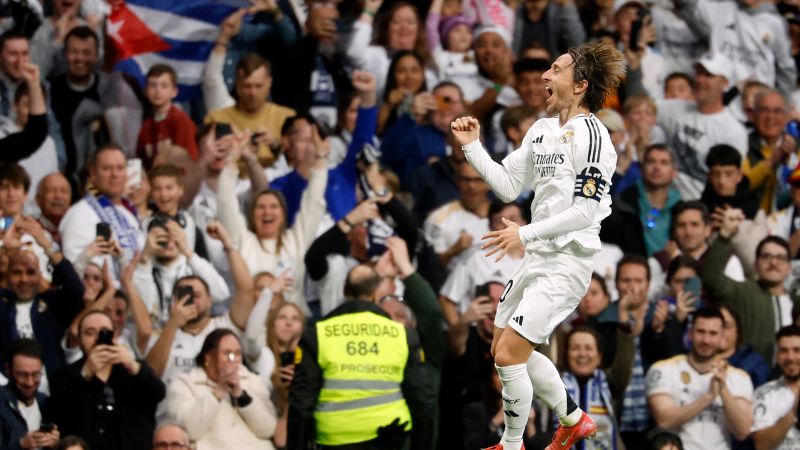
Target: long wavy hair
x,y
382,30
281,396
251,223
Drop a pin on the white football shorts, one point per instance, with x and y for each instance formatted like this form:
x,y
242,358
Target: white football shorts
x,y
543,290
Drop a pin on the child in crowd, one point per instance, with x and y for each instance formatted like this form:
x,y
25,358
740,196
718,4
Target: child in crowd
x,y
166,122
166,193
450,43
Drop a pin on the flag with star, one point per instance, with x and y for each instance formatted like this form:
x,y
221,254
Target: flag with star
x,y
180,34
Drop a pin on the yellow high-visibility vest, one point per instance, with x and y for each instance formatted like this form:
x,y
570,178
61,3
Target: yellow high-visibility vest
x,y
363,357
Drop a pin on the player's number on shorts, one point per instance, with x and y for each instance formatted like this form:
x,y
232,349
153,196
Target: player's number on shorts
x,y
505,291
361,348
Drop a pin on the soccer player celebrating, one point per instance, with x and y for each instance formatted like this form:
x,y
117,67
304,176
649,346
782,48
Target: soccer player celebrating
x,y
567,161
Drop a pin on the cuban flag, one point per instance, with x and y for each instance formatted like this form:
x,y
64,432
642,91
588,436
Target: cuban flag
x,y
179,33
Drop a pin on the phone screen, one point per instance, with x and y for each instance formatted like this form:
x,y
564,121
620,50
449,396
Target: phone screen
x,y
693,286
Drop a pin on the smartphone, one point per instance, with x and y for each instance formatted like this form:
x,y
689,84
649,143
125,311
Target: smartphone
x,y
636,30
105,337
103,229
46,427
442,102
287,359
482,290
255,137
134,171
183,291
693,286
222,129
5,222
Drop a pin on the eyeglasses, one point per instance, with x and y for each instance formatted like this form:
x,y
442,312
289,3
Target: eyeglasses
x,y
169,445
652,217
769,257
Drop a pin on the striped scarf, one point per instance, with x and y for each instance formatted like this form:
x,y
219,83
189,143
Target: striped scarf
x,y
635,416
595,399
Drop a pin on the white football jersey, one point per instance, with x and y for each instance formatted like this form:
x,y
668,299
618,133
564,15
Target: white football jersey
x,y
771,403
568,168
678,379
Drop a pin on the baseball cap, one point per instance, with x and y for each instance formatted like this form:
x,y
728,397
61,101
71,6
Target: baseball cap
x,y
496,29
715,63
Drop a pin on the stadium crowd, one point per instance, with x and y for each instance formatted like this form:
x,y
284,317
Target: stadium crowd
x,y
162,256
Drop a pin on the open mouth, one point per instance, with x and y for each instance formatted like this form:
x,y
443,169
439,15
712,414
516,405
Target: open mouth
x,y
549,92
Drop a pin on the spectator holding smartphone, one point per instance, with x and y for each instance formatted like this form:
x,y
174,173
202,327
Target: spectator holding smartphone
x,y
219,402
107,397
21,403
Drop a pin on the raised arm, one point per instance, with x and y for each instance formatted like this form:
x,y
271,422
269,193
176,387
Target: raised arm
x,y
244,288
362,34
139,313
508,179
215,92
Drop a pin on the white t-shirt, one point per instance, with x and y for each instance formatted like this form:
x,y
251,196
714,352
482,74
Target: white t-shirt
x,y
461,69
23,319
691,135
472,272
31,414
678,44
185,347
771,403
445,224
678,379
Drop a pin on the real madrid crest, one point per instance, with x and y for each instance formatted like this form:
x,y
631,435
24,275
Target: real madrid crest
x,y
590,187
566,138
685,377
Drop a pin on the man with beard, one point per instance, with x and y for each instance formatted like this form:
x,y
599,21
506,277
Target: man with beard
x,y
699,395
21,403
190,322
775,407
764,303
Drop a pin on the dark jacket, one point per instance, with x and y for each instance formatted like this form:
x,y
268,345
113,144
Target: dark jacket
x,y
308,382
752,363
407,146
432,185
51,314
743,199
754,304
118,415
12,424
623,227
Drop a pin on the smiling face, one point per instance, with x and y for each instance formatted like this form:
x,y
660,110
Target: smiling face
x,y
788,357
583,354
691,232
490,51
24,275
532,90
708,88
706,336
772,263
93,278
81,55
26,374
770,116
403,29
166,193
54,195
459,39
110,173
268,216
560,85
14,54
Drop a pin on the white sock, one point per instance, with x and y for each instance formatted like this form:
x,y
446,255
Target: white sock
x,y
547,385
517,400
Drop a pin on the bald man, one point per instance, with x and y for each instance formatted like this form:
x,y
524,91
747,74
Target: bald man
x,y
53,197
27,311
169,436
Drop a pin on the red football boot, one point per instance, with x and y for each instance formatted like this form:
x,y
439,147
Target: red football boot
x,y
500,447
566,437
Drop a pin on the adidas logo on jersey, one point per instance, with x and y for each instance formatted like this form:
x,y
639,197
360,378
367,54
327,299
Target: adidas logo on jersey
x,y
518,320
538,140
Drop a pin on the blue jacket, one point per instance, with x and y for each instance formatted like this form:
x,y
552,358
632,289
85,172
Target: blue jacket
x,y
407,145
12,424
51,314
340,193
433,185
751,362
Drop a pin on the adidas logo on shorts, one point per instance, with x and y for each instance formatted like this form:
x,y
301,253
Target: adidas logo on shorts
x,y
518,320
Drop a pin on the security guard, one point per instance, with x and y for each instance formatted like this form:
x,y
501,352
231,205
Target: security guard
x,y
361,382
